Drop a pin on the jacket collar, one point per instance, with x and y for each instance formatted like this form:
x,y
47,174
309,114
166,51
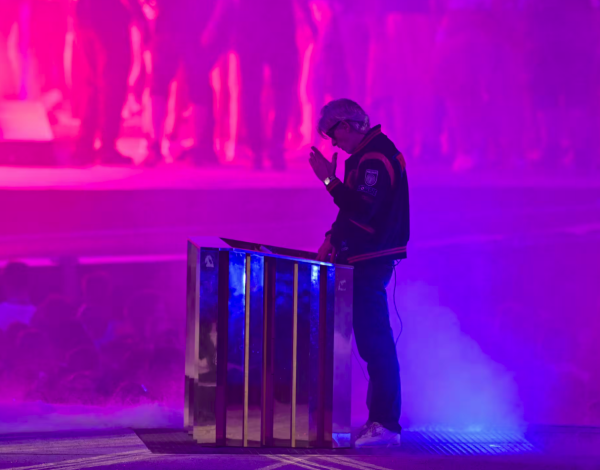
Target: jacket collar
x,y
374,132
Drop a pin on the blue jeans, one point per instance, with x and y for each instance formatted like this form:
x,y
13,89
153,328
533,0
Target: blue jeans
x,y
375,341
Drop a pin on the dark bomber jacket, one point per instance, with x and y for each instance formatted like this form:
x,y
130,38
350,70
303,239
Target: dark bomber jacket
x,y
373,222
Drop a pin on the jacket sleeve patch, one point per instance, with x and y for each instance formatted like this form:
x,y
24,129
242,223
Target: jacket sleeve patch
x,y
371,177
367,189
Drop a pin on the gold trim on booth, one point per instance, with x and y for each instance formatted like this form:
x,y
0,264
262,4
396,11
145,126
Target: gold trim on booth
x,y
294,354
246,352
266,293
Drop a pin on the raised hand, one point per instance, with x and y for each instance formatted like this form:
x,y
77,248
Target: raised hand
x,y
322,167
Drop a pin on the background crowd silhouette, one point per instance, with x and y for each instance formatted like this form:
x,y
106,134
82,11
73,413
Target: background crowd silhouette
x,y
108,348
459,84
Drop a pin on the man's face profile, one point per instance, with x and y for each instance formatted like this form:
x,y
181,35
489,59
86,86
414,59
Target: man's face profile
x,y
340,136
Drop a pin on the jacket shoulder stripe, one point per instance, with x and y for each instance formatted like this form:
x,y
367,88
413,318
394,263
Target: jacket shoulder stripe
x,y
382,158
401,160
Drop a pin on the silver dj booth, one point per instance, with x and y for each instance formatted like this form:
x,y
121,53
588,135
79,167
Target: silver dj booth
x,y
268,349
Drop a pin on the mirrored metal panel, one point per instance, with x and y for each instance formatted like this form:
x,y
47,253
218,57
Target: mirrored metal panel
x,y
283,348
303,364
201,350
327,326
268,352
236,335
255,362
192,341
342,358
315,401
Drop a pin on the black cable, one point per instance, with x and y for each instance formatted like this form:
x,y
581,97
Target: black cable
x,y
395,307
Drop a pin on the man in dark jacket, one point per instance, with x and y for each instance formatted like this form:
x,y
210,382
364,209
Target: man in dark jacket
x,y
371,233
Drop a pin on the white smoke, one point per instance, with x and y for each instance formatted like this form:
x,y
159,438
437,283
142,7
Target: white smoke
x,y
447,380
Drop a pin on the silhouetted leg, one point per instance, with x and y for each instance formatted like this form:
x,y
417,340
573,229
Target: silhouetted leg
x,y
284,79
90,52
48,34
113,66
198,63
375,342
114,94
251,71
166,58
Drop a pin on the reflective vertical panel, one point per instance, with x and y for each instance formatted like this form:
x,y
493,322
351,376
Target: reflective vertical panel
x,y
294,353
342,357
268,351
246,349
204,363
327,330
313,298
191,331
236,328
222,346
303,365
282,352
268,399
256,353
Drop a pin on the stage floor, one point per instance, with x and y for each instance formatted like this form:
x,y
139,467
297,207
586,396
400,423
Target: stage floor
x,y
556,448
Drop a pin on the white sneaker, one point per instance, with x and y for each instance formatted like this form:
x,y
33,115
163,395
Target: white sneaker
x,y
363,429
377,436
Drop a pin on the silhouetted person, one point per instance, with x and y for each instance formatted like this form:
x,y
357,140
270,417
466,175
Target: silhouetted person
x,y
17,306
188,35
57,317
330,65
267,37
9,13
564,72
32,362
15,12
103,38
464,66
354,18
49,26
96,313
411,30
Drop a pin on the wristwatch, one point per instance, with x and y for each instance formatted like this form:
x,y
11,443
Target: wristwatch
x,y
329,180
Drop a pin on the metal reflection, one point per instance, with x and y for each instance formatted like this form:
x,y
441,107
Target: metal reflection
x,y
315,412
201,348
294,355
303,356
282,342
327,330
268,349
236,335
342,358
246,349
255,365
